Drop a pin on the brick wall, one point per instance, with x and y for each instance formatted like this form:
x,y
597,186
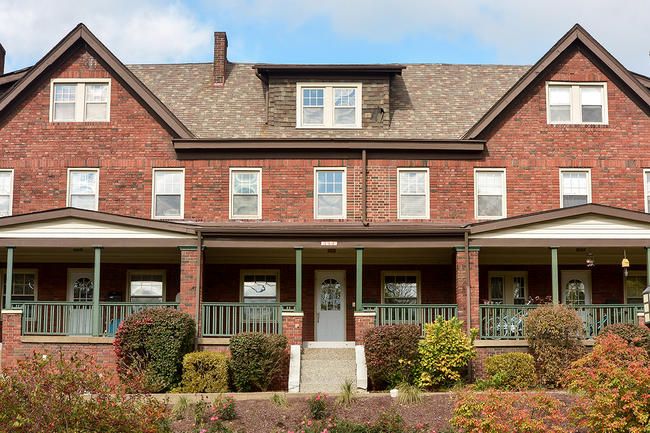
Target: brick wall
x,y
461,287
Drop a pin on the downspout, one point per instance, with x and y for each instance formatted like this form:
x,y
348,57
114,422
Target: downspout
x,y
468,285
364,192
199,241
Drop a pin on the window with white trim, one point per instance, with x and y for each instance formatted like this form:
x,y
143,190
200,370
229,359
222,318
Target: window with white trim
x,y
490,193
575,187
245,193
6,192
635,284
509,288
584,103
400,287
413,186
259,286
329,199
75,100
168,193
146,285
328,105
24,286
82,188
646,187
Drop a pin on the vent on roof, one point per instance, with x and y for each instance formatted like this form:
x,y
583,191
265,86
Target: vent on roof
x,y
220,61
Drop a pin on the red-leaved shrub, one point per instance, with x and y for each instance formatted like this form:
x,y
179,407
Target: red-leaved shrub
x,y
391,354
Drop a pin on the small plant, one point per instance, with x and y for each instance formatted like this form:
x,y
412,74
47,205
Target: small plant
x,y
511,371
348,393
409,395
204,372
391,353
317,406
280,401
224,407
257,359
181,408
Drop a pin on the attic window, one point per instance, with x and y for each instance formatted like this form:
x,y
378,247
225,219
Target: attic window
x,y
80,101
328,105
583,103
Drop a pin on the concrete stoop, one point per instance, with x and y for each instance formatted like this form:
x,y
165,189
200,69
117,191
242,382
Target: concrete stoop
x,y
325,366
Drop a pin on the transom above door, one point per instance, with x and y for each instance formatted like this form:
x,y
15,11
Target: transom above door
x,y
330,305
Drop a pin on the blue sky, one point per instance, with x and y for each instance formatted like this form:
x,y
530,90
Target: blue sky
x,y
332,31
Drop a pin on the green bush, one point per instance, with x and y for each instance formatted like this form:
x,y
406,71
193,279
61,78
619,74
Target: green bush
x,y
256,359
204,372
554,335
317,406
445,351
515,370
391,354
151,344
611,387
60,393
637,335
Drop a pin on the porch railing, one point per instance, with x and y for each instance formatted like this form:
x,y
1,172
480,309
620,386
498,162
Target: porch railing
x,y
75,318
225,319
508,322
410,314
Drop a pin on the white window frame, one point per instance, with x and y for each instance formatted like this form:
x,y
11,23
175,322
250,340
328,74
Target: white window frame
x,y
508,286
71,171
504,201
416,274
328,104
233,172
80,96
244,272
10,194
575,102
342,170
574,170
646,189
633,274
155,193
426,193
131,272
3,275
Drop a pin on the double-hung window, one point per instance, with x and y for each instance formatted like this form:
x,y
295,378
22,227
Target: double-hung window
x,y
575,187
80,100
146,286
260,287
23,286
635,284
413,193
245,193
168,193
577,103
329,199
328,105
646,184
401,287
490,193
6,191
82,188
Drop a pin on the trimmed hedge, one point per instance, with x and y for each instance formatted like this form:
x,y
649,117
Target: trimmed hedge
x,y
150,345
256,359
515,370
205,372
391,354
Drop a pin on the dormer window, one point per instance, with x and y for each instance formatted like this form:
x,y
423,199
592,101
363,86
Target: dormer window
x,y
328,105
584,103
80,100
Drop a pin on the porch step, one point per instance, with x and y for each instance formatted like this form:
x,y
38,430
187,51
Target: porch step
x,y
326,369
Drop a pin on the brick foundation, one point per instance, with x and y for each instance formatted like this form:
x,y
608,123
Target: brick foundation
x,y
362,322
292,327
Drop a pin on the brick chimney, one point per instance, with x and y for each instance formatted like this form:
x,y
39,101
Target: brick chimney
x,y
2,59
220,61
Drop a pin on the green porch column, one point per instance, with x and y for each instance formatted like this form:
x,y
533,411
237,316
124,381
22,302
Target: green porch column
x,y
647,266
554,276
359,301
9,276
96,285
298,279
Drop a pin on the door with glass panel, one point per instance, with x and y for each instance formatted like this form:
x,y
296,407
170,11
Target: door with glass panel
x,y
80,293
330,305
505,319
576,287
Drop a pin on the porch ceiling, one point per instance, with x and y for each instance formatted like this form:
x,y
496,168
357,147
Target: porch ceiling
x,y
87,255
574,255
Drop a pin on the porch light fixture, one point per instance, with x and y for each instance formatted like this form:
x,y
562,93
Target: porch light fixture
x,y
590,260
625,263
646,306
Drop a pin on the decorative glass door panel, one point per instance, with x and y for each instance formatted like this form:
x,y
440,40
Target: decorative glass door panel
x,y
80,292
330,306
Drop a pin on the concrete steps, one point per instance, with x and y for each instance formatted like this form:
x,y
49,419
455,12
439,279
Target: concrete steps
x,y
324,368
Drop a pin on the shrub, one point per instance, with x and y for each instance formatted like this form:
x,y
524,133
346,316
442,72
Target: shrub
x,y
634,334
256,359
152,343
505,412
612,387
55,392
512,370
445,351
204,372
554,334
317,406
391,353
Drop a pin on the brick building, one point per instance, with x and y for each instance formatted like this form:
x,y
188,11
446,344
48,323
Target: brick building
x,y
318,200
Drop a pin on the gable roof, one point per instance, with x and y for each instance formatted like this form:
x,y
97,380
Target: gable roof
x,y
80,36
593,50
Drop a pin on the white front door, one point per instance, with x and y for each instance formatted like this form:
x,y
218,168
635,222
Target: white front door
x,y
576,287
330,305
80,291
